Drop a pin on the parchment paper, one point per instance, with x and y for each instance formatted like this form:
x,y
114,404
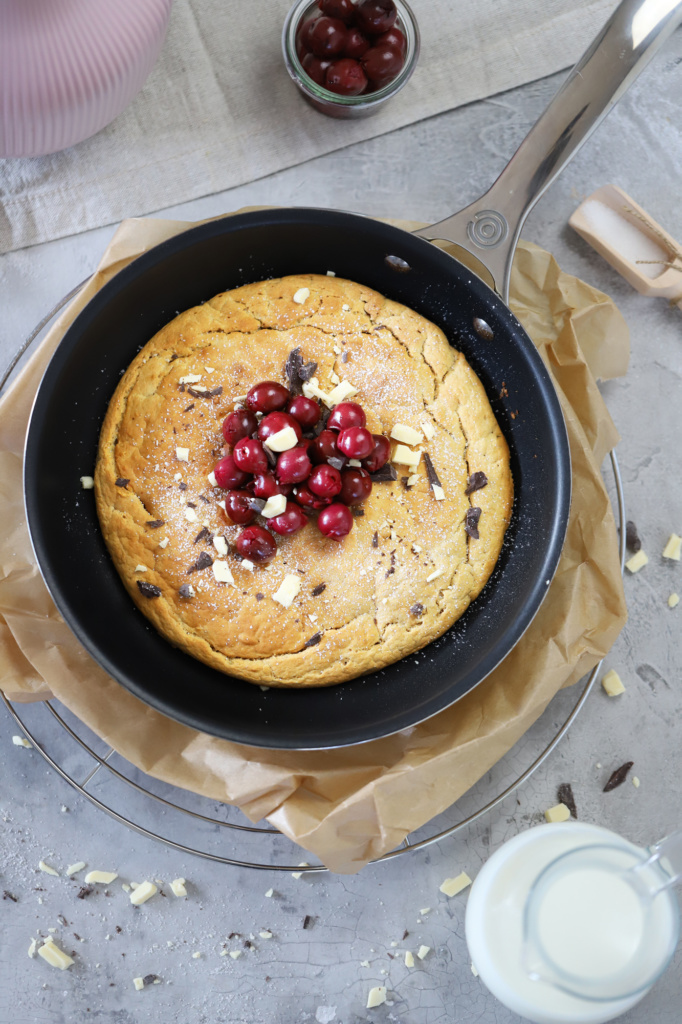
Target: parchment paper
x,y
351,805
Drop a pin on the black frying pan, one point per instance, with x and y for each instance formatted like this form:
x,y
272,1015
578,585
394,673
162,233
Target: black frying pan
x,y
78,384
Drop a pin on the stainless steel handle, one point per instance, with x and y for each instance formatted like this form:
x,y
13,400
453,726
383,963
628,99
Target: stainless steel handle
x,y
489,228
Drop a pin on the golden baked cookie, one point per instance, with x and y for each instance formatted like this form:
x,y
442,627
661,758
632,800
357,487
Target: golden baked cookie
x,y
407,570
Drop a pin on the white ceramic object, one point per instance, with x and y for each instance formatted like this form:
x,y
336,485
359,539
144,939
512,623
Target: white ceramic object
x,y
69,67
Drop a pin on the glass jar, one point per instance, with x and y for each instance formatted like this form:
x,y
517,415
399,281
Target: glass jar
x,y
331,103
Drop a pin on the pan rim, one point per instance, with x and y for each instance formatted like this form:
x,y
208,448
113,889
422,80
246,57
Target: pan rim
x,y
108,293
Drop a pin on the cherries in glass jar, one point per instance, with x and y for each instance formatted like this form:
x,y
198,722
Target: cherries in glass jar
x,y
352,48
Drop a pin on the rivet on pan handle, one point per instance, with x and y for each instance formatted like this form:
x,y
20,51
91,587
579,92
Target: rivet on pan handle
x,y
489,228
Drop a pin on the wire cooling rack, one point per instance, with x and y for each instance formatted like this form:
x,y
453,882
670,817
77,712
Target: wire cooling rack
x,y
202,827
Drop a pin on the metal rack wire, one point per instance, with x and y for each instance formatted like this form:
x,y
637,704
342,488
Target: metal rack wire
x,y
78,762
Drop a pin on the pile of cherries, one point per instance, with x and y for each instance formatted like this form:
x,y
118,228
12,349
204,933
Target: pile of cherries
x,y
352,48
313,473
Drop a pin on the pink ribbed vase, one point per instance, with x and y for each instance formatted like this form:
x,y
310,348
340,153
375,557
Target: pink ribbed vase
x,y
69,67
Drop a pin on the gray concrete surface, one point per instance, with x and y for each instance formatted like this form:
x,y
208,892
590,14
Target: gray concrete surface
x,y
317,974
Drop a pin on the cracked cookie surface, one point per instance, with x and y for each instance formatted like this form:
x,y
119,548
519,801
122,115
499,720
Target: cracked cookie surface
x,y
363,603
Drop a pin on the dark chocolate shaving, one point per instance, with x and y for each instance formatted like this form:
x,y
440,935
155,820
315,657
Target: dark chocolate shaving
x,y
314,639
565,796
84,891
430,471
154,524
345,357
357,511
322,422
186,591
307,921
471,522
191,504
291,370
405,934
62,920
189,407
259,597
308,370
195,393
618,777
256,504
202,497
173,357
338,462
320,588
182,486
77,936
271,457
632,537
403,481
122,482
7,895
149,979
148,589
477,480
204,534
202,562
375,539
384,475
417,609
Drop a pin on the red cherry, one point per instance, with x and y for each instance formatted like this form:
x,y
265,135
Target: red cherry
x,y
267,396
249,456
356,44
343,9
305,410
327,37
315,68
346,414
356,485
375,16
291,520
228,474
293,466
276,421
265,486
308,446
345,77
379,456
325,446
256,544
355,442
303,33
237,507
325,481
393,38
381,64
240,423
304,496
335,521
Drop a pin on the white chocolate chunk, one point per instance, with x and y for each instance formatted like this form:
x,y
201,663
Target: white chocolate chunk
x,y
474,971
163,543
190,378
220,544
334,377
235,953
282,441
142,893
177,477
298,874
32,948
249,566
222,571
331,273
211,479
178,887
196,956
401,432
191,516
423,951
673,602
451,886
438,492
637,561
337,350
87,483
54,956
301,295
404,457
635,782
428,428
409,959
345,307
270,893
413,479
340,393
141,568
673,548
355,463
434,575
424,911
311,389
265,934
210,369
47,869
417,548
182,454
138,983
75,868
612,683
288,590
275,505
558,813
376,996
100,876
21,741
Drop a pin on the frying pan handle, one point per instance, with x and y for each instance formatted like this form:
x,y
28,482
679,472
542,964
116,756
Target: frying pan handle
x,y
489,228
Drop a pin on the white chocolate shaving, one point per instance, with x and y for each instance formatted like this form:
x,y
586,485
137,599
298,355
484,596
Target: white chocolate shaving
x,y
282,441
182,454
87,483
376,996
401,432
434,575
405,457
637,561
191,516
100,876
673,548
301,295
142,893
275,505
54,956
451,886
289,589
190,378
21,741
74,868
178,887
222,571
220,544
47,869
211,479
338,394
